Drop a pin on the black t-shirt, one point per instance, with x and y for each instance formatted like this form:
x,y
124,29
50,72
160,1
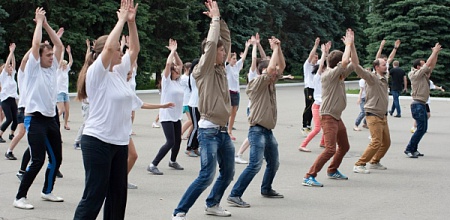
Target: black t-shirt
x,y
397,75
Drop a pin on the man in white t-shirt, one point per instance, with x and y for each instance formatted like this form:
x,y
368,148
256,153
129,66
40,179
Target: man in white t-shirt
x,y
40,104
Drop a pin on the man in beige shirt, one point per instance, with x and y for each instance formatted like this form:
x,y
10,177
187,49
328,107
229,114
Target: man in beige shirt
x,y
214,106
420,91
377,99
262,119
334,101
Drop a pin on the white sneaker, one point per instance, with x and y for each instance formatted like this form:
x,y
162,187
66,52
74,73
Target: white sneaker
x,y
22,203
377,166
179,216
238,159
361,169
50,197
217,211
132,186
155,125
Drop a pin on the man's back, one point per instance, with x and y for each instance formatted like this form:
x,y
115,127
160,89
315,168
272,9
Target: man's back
x,y
397,75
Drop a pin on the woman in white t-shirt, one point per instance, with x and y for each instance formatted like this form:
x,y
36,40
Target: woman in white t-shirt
x,y
184,80
62,99
233,67
107,130
172,91
8,95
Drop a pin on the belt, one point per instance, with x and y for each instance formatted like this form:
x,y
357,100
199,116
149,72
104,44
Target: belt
x,y
371,114
233,92
223,129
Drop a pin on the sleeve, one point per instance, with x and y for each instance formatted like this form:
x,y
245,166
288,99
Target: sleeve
x,y
32,65
124,67
257,84
424,71
207,60
240,64
366,75
96,73
432,86
137,103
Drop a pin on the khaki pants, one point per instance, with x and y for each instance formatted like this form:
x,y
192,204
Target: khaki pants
x,y
334,131
381,140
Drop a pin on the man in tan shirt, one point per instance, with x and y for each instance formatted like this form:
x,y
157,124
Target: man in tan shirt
x,y
377,99
420,91
334,101
214,106
262,119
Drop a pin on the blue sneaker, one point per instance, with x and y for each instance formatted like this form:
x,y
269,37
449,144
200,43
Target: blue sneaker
x,y
337,175
311,181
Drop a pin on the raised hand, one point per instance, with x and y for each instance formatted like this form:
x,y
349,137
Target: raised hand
x,y
273,43
12,47
253,40
397,43
172,45
213,9
382,43
132,9
323,48
328,46
249,41
316,43
257,38
437,47
39,15
60,32
68,49
122,13
348,38
88,43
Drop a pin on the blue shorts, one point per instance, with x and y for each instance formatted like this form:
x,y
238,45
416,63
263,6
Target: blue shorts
x,y
234,96
62,97
185,109
20,115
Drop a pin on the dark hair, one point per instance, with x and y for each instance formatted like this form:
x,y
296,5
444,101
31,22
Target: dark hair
x,y
334,58
375,63
263,65
96,50
193,64
417,62
44,46
219,44
315,69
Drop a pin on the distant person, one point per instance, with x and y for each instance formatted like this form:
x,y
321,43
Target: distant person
x,y
399,85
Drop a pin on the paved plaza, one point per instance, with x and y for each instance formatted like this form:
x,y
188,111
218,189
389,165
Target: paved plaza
x,y
408,189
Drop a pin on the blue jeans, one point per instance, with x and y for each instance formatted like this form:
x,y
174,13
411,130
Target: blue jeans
x,y
419,113
362,114
216,148
396,103
262,145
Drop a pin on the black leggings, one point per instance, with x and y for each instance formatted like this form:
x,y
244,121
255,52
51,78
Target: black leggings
x,y
9,107
172,131
192,143
307,113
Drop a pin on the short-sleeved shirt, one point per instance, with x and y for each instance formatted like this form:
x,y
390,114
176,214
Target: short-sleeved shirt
x,y
20,85
420,84
132,81
111,101
317,86
41,86
251,75
334,98
263,108
63,80
193,100
397,74
233,75
172,91
9,85
184,81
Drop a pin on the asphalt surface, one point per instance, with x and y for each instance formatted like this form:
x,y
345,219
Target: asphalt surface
x,y
408,189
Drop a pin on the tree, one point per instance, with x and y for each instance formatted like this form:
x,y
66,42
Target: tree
x,y
419,24
3,15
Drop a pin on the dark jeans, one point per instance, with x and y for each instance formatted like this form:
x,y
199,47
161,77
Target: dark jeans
x,y
192,143
105,167
9,107
43,137
216,149
263,145
307,113
419,113
396,103
172,131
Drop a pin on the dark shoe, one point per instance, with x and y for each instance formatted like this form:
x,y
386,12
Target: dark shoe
x,y
410,155
417,153
238,202
2,140
10,156
272,194
11,136
59,174
398,116
390,113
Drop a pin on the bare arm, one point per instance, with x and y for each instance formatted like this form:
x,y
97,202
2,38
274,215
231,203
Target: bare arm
x,y
325,50
244,54
156,106
23,63
111,45
394,51
178,60
133,38
58,46
314,49
272,67
405,84
281,61
37,36
69,52
11,59
260,49
173,49
380,49
254,56
348,40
